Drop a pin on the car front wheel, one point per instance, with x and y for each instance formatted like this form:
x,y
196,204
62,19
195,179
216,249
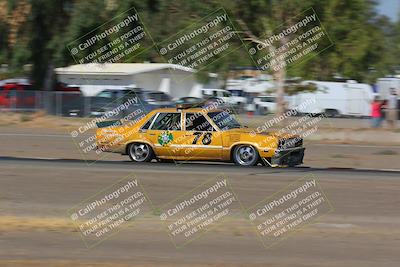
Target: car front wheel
x,y
245,155
140,152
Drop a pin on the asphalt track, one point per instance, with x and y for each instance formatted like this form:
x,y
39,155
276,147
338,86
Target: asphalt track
x,y
35,195
37,143
198,167
37,190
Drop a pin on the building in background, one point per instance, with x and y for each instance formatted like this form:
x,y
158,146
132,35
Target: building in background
x,y
175,80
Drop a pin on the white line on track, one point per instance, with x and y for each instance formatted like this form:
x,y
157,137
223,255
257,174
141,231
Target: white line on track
x,y
45,158
345,145
335,225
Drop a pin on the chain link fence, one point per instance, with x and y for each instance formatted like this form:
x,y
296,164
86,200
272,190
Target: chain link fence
x,y
54,103
68,104
75,104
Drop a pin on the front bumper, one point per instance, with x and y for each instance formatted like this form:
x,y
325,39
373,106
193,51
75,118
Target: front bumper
x,y
288,157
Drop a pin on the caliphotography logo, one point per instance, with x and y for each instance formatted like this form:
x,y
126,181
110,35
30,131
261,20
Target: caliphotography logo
x,y
292,208
195,213
106,213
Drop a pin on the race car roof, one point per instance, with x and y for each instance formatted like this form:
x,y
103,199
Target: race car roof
x,y
200,110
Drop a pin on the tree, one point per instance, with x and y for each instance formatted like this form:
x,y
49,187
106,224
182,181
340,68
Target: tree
x,y
366,45
48,21
279,12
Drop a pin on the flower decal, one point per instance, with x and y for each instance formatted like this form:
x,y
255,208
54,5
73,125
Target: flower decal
x,y
165,138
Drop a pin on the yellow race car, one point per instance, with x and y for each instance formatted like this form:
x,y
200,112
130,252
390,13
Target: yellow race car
x,y
186,133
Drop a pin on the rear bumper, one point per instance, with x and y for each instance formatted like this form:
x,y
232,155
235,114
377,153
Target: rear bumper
x,y
289,157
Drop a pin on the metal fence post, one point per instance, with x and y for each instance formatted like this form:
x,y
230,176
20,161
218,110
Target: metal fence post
x,y
13,97
58,103
86,103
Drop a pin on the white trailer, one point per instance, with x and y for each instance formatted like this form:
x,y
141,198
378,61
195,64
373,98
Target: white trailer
x,y
334,99
385,84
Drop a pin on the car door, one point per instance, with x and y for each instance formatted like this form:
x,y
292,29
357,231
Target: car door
x,y
202,140
164,132
355,101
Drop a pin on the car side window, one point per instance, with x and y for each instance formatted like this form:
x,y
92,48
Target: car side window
x,y
130,96
148,123
197,122
167,121
105,94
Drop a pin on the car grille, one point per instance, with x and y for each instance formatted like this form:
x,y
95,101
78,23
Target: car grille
x,y
290,143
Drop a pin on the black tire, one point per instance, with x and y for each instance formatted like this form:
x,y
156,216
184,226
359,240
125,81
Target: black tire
x,y
245,155
240,107
332,113
165,160
140,152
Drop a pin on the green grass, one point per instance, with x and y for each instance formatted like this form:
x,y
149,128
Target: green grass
x,y
156,212
25,118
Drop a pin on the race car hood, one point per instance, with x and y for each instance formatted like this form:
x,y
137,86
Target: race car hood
x,y
264,139
255,132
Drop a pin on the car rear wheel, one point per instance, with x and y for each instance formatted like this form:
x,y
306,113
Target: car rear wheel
x,y
140,152
245,155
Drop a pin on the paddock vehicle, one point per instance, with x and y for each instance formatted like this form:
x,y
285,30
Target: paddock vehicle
x,y
265,104
207,134
17,94
334,99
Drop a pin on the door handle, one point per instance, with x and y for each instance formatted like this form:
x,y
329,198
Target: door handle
x,y
152,134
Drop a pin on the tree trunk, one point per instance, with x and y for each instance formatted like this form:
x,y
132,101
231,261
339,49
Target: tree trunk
x,y
280,76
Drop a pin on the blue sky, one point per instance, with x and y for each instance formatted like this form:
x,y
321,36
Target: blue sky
x,y
390,8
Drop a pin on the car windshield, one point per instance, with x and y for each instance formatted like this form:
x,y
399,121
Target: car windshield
x,y
268,99
237,92
224,120
226,94
106,94
159,97
188,100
